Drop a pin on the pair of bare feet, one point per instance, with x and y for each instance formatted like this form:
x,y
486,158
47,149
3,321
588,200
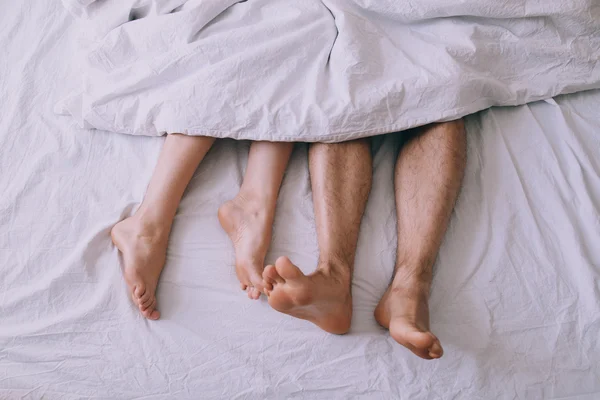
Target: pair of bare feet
x,y
323,297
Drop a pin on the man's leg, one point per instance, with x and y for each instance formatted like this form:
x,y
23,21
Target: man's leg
x,y
248,218
341,180
429,172
143,238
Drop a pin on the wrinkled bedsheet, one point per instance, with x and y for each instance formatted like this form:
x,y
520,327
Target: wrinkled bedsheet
x,y
515,298
322,70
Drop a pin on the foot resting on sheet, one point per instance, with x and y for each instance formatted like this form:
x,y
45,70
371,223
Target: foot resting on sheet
x,y
249,223
404,310
322,297
144,250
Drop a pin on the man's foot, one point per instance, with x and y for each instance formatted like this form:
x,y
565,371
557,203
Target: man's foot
x,y
405,312
249,224
322,298
144,251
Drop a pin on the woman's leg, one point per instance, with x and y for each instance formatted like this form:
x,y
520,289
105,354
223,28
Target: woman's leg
x,y
143,238
248,218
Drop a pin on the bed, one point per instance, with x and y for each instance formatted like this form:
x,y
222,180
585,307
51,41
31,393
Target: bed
x,y
515,297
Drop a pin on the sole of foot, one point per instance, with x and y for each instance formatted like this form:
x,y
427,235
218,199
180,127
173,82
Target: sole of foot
x,y
248,226
321,298
406,314
144,254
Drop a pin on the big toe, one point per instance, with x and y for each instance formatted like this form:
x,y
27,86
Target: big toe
x,y
436,350
153,315
286,269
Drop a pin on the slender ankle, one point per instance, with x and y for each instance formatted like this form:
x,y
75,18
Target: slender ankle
x,y
257,199
152,223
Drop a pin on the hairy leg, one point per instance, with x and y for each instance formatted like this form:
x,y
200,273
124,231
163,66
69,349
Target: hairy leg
x,y
248,218
142,239
428,177
341,177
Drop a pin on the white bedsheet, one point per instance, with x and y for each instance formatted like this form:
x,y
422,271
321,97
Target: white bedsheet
x,y
515,297
323,70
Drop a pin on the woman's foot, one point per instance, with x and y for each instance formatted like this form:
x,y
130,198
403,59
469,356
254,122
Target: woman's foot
x,y
322,297
405,312
249,223
144,250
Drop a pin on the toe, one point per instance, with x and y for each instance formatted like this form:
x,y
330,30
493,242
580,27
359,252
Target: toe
x,y
145,298
257,281
267,284
139,290
268,281
147,306
149,302
270,274
424,354
254,293
147,312
286,269
151,313
436,351
255,278
154,315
